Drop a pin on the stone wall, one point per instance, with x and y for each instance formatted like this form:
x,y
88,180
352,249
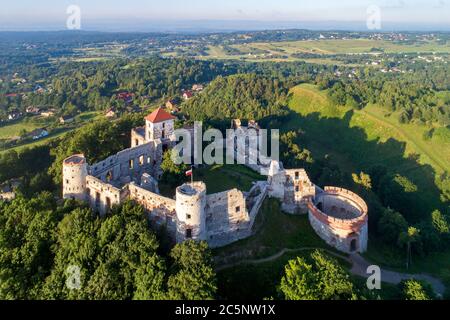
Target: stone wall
x,y
129,164
225,211
161,210
103,196
160,130
138,136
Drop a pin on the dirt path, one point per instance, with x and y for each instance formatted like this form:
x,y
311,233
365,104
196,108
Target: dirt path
x,y
359,268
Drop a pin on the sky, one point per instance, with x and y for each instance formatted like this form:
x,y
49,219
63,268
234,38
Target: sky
x,y
139,15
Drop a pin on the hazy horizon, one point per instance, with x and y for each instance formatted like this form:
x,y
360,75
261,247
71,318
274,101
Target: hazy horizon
x,y
231,15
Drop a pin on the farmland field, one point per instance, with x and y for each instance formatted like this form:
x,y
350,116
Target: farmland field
x,y
283,51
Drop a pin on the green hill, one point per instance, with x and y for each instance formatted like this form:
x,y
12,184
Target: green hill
x,y
358,140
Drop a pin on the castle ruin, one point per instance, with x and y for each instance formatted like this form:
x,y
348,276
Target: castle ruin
x,y
338,216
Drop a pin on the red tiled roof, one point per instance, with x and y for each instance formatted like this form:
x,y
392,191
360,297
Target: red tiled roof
x,y
159,115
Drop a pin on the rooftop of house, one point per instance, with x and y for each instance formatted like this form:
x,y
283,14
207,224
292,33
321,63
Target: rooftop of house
x,y
159,115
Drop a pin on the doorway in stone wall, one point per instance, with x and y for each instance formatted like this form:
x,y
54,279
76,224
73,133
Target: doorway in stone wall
x,y
353,245
108,204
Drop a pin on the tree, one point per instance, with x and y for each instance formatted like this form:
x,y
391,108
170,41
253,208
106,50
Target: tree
x,y
363,179
192,276
173,174
416,290
322,279
117,257
391,225
439,222
407,238
26,239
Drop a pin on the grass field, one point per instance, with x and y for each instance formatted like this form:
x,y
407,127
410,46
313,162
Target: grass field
x,y
29,124
261,51
220,178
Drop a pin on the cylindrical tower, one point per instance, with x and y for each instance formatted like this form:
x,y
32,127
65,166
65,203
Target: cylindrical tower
x,y
190,208
75,170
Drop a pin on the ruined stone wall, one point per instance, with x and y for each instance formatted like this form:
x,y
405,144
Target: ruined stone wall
x,y
293,188
129,164
303,188
225,210
103,196
227,218
262,187
277,185
138,136
161,210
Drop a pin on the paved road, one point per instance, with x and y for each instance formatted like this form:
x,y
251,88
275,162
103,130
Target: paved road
x,y
359,267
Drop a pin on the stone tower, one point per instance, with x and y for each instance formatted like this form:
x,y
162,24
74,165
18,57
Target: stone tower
x,y
277,180
159,125
190,208
75,171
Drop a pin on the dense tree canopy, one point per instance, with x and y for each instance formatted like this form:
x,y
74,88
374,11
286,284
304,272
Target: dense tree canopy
x,y
321,279
67,252
245,96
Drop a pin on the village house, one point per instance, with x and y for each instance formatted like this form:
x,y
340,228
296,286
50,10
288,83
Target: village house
x,y
14,115
197,87
38,133
33,110
172,106
110,113
125,96
187,95
48,113
66,119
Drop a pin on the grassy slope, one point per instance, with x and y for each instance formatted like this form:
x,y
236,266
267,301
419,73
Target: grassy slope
x,y
307,99
31,124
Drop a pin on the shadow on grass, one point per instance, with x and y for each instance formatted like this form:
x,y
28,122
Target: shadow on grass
x,y
349,149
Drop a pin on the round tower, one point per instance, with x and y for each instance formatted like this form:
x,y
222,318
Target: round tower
x,y
190,208
75,170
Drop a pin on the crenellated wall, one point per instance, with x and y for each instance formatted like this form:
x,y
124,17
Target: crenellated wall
x,y
340,217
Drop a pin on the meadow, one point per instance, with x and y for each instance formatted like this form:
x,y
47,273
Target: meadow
x,y
28,124
258,51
